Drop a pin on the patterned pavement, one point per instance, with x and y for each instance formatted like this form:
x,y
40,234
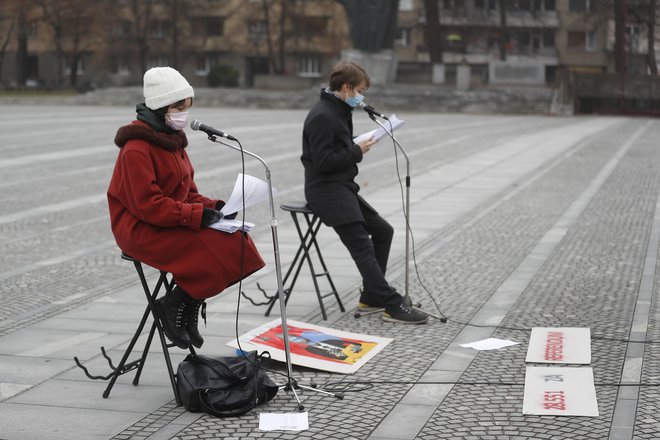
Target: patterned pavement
x,y
523,221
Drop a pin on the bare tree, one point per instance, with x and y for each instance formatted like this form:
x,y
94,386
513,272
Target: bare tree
x,y
645,11
276,60
142,15
620,12
505,36
8,23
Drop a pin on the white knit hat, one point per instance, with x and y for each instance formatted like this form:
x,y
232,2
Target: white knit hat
x,y
164,86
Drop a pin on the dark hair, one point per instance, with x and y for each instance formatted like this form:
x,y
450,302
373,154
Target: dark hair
x,y
176,104
348,72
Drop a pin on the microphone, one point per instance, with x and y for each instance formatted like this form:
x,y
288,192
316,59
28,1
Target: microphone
x,y
372,111
197,125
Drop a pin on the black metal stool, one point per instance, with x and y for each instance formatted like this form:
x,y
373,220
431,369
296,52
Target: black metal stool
x,y
307,240
124,367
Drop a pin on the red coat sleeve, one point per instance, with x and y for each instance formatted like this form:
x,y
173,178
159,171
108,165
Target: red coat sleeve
x,y
146,201
195,197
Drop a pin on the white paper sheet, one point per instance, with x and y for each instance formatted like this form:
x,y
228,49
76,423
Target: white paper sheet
x,y
231,226
489,344
378,133
283,422
256,191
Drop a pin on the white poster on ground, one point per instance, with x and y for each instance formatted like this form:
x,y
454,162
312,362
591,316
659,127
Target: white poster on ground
x,y
314,346
559,345
560,391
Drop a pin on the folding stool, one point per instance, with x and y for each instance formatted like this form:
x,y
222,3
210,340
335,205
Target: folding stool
x,y
307,240
124,366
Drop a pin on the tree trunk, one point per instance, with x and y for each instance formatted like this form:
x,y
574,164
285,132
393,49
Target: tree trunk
x,y
433,31
175,34
5,44
504,30
21,49
652,63
282,36
619,36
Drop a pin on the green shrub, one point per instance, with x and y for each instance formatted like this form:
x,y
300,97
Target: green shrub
x,y
223,76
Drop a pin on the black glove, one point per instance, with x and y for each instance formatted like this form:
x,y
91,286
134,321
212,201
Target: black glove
x,y
210,216
219,204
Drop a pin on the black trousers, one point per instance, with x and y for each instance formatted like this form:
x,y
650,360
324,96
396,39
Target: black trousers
x,y
369,245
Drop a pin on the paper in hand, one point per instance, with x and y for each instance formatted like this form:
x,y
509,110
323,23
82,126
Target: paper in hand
x,y
256,191
378,133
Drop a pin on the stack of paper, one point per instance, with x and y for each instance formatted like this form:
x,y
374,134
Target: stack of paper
x,y
232,226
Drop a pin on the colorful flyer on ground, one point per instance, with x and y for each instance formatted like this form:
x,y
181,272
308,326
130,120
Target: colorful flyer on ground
x,y
313,346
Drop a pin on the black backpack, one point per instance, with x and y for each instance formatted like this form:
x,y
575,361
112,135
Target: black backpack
x,y
223,386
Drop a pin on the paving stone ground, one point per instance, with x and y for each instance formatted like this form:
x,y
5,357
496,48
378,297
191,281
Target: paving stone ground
x,y
517,222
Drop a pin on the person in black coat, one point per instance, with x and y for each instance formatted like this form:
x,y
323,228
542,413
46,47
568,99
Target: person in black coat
x,y
330,159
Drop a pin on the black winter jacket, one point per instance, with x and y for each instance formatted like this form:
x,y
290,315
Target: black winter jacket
x,y
330,158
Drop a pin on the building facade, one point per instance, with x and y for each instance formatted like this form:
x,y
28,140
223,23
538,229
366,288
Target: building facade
x,y
295,43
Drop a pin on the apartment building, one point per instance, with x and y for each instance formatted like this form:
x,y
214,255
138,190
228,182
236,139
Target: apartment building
x,y
250,42
295,43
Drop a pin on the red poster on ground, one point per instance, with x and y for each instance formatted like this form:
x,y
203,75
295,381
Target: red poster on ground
x,y
314,346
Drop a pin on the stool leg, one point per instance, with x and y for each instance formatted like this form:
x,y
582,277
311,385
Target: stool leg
x,y
325,268
150,338
151,298
296,265
122,362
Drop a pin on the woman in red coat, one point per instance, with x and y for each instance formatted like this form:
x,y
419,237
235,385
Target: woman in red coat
x,y
159,217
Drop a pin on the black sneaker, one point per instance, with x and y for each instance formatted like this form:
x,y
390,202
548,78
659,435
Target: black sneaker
x,y
365,307
404,314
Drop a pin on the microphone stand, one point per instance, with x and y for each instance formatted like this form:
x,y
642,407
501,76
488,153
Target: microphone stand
x,y
291,384
406,213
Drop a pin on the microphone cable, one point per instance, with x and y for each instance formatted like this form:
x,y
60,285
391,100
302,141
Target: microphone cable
x,y
265,353
443,318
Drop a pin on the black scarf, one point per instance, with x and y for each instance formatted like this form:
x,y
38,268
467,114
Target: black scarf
x,y
155,118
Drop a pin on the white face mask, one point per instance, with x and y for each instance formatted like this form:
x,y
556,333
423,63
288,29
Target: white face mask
x,y
176,120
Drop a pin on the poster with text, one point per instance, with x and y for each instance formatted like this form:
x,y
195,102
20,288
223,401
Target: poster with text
x,y
560,391
314,346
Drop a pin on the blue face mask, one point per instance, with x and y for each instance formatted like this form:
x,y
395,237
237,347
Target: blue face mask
x,y
354,101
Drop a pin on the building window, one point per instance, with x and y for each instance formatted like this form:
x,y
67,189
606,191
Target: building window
x,y
80,67
403,37
590,42
215,27
121,67
548,39
549,5
309,66
159,29
203,64
576,40
123,29
159,62
257,29
406,5
579,6
633,34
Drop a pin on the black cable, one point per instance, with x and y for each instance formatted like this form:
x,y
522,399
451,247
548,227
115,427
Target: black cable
x,y
240,282
368,384
430,295
409,228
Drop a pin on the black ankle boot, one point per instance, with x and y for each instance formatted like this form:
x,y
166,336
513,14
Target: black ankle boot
x,y
171,310
191,319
